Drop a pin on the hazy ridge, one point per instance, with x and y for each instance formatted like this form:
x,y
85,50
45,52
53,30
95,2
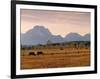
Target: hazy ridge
x,y
40,35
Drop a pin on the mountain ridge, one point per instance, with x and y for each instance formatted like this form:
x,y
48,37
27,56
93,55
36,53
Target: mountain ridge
x,y
40,35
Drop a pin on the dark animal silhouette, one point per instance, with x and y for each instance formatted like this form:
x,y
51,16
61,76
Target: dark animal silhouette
x,y
40,53
32,53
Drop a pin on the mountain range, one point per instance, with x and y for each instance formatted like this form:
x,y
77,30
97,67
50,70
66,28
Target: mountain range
x,y
40,35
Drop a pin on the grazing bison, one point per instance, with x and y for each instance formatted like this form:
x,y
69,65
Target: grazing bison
x,y
39,53
32,53
36,53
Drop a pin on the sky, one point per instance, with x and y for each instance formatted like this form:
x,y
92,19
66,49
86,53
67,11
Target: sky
x,y
58,22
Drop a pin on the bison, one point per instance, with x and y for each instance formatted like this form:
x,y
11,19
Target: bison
x,y
32,53
39,53
36,53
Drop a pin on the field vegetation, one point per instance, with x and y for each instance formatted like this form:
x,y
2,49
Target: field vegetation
x,y
69,54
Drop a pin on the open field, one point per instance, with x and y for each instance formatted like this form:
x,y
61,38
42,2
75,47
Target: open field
x,y
55,57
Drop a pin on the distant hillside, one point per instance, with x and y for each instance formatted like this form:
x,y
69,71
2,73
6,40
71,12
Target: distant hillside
x,y
40,35
77,37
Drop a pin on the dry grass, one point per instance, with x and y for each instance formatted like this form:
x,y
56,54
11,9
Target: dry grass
x,y
54,58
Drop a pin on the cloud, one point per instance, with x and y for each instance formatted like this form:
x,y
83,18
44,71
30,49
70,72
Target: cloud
x,y
56,21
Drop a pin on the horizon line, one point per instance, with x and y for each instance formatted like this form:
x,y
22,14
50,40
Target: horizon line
x,y
52,33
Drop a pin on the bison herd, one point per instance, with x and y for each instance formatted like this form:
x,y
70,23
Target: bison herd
x,y
36,53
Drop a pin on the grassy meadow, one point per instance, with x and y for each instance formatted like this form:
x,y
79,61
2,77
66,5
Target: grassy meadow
x,y
71,54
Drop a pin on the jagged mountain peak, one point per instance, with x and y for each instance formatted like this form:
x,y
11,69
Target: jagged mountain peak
x,y
39,30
